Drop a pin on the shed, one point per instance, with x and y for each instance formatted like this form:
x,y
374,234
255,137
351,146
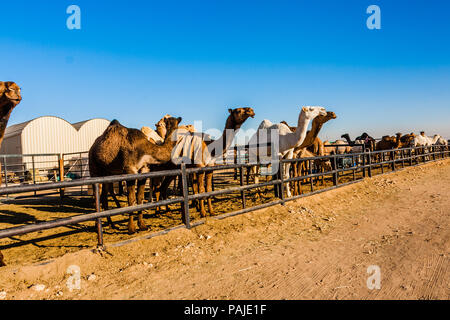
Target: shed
x,y
51,135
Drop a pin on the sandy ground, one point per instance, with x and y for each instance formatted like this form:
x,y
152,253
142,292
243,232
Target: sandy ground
x,y
314,248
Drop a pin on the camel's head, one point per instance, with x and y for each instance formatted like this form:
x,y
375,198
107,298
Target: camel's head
x,y
161,128
189,128
9,94
171,124
312,112
239,115
326,165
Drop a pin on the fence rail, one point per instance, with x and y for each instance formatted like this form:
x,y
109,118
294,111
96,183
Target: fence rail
x,y
365,162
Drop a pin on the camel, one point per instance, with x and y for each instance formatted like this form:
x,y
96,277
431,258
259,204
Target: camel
x,y
365,139
287,140
388,143
200,153
337,147
152,135
314,145
407,140
441,141
121,150
424,141
356,148
10,97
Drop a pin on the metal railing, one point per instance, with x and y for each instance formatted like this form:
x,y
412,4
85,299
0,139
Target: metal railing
x,y
365,162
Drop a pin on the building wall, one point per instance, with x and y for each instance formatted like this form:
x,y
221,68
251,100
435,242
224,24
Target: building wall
x,y
52,135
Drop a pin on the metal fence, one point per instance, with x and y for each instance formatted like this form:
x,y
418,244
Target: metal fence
x,y
365,163
34,169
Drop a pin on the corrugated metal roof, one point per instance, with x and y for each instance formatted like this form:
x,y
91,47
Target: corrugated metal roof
x,y
16,129
78,125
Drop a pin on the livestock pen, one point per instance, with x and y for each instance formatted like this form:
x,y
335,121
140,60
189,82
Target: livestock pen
x,y
238,196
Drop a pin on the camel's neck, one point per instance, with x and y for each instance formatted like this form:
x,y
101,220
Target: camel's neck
x,y
313,133
435,139
220,146
349,141
398,142
5,113
163,152
296,138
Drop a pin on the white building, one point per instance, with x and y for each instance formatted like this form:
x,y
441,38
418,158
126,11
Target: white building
x,y
51,135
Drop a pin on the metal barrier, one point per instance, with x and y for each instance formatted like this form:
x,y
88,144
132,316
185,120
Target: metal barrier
x,y
367,162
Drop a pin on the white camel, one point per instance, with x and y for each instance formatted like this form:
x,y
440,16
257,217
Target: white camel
x,y
152,136
424,141
287,140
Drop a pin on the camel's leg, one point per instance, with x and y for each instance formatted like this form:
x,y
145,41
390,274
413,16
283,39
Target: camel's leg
x,y
113,194
131,188
195,203
254,170
294,175
287,168
140,200
201,189
104,189
163,191
298,173
209,177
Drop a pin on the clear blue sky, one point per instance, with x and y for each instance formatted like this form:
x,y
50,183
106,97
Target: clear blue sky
x,y
138,60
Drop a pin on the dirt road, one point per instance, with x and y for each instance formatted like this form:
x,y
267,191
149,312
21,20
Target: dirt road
x,y
314,248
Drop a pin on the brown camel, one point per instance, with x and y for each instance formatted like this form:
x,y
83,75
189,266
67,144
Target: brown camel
x,y
121,150
216,149
388,143
313,144
407,140
9,98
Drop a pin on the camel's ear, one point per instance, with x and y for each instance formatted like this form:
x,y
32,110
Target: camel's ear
x,y
2,87
179,119
304,109
230,111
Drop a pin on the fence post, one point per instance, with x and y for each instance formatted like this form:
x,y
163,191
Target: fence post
x,y
6,172
393,160
281,186
99,220
335,173
364,163
61,173
34,172
241,182
185,216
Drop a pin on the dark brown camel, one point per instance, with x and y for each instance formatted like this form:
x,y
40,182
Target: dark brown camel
x,y
9,98
121,150
369,142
